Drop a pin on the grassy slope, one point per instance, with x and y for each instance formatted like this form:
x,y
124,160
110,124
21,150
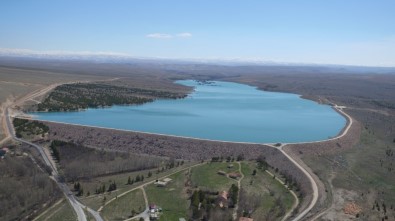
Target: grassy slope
x,y
95,201
122,207
60,212
171,198
267,188
206,176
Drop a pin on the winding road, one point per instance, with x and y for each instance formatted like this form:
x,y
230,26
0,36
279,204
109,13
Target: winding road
x,y
314,185
77,206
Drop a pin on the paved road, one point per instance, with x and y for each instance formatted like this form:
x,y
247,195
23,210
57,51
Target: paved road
x,y
77,206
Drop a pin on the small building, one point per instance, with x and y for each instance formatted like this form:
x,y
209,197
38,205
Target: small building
x,y
162,183
153,212
220,172
230,166
234,175
182,219
166,180
222,199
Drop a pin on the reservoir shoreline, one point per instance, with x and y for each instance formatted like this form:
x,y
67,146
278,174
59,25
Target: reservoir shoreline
x,y
221,111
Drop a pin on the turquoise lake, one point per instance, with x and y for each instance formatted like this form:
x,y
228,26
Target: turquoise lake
x,y
219,111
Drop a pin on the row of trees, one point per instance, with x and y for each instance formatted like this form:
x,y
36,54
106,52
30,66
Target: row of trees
x,y
78,161
228,159
139,178
102,188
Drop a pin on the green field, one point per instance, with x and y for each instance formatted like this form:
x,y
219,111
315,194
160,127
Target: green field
x,y
266,195
59,212
122,207
172,198
95,201
207,177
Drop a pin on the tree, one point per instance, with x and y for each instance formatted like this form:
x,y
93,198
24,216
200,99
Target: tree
x,y
233,193
254,172
262,164
77,186
55,151
137,178
80,192
112,187
149,174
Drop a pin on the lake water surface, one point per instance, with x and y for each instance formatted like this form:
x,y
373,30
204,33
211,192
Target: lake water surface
x,y
219,111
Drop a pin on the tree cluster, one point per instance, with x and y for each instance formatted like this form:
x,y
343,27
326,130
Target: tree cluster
x,y
72,97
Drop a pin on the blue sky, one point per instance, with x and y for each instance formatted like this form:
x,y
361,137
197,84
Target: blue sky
x,y
358,32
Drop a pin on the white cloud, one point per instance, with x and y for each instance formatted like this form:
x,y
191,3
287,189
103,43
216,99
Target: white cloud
x,y
184,35
159,35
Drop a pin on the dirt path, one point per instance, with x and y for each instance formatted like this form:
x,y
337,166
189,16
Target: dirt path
x,y
147,183
238,194
50,209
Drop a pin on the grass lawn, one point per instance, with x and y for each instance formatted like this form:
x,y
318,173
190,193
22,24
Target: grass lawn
x,y
94,201
122,207
267,189
60,212
207,177
172,198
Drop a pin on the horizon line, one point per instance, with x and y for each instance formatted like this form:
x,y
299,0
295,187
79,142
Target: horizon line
x,y
107,55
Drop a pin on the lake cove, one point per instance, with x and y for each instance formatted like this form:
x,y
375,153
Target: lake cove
x,y
219,111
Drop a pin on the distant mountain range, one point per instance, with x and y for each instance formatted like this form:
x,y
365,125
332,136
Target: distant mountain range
x,y
113,57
